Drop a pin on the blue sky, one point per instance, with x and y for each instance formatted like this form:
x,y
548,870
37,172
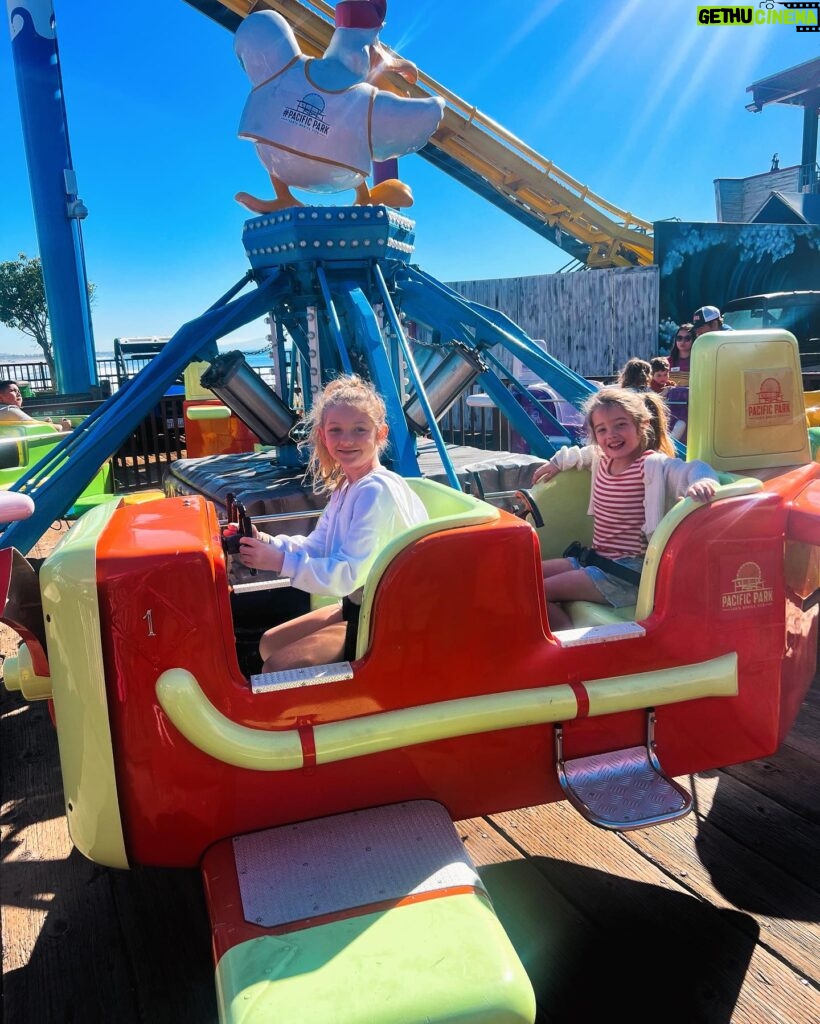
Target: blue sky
x,y
630,97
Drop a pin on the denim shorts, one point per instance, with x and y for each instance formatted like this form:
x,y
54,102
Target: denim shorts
x,y
615,592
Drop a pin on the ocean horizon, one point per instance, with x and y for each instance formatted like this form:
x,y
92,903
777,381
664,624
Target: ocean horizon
x,y
255,355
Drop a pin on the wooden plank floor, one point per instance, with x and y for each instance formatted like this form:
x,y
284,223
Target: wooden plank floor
x,y
715,918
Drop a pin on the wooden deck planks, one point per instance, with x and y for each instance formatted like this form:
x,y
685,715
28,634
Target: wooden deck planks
x,y
659,920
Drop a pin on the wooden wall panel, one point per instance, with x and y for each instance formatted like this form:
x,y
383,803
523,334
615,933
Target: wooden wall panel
x,y
592,321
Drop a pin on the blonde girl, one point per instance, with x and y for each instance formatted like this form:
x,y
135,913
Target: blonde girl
x,y
369,505
634,477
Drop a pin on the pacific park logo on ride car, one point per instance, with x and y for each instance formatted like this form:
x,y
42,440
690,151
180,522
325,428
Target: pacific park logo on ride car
x,y
768,397
742,577
804,16
748,589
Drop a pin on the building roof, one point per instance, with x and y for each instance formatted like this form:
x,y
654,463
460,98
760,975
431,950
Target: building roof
x,y
789,208
798,86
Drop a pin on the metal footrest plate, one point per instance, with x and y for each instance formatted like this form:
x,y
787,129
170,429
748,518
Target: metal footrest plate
x,y
623,789
293,678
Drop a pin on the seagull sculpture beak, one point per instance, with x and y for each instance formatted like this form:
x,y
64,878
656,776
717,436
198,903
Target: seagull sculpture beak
x,y
383,60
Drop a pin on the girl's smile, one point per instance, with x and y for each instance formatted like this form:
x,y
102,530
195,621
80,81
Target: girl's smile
x,y
352,440
617,434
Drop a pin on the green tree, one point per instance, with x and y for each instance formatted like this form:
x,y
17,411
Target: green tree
x,y
23,302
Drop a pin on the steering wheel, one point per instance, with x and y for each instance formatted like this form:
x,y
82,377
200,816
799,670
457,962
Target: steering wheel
x,y
524,505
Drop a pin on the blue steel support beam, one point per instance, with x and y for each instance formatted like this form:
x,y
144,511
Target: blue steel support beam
x,y
421,394
519,420
57,208
58,454
335,326
572,387
300,370
284,380
122,413
369,340
423,295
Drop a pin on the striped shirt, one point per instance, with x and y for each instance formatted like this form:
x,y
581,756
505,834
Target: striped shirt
x,y
618,508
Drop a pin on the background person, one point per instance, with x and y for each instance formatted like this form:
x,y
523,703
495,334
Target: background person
x,y
680,354
708,318
660,375
635,374
368,507
11,408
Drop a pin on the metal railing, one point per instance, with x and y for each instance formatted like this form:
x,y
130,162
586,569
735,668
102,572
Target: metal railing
x,y
143,458
475,427
35,375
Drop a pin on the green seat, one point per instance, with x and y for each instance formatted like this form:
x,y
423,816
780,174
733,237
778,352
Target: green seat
x,y
404,932
814,441
747,407
99,490
22,445
588,613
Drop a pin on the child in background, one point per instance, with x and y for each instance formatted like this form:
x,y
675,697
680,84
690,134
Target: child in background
x,y
633,480
368,507
635,374
660,374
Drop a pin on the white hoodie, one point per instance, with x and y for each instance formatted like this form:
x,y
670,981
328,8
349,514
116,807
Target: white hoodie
x,y
358,522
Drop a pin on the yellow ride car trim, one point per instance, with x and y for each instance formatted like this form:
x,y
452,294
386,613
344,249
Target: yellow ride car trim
x,y
210,731
68,583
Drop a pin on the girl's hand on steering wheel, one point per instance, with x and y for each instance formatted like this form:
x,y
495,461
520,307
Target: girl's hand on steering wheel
x,y
256,554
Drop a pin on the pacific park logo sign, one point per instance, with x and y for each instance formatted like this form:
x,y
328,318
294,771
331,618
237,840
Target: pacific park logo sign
x,y
769,397
804,16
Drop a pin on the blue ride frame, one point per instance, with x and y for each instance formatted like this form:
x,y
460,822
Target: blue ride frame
x,y
342,308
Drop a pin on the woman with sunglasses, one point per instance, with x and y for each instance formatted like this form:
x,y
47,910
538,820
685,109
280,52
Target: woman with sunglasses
x,y
679,354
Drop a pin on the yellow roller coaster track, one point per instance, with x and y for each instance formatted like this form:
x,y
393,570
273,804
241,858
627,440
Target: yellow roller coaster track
x,y
466,137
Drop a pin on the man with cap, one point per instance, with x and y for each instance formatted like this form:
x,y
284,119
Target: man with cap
x,y
706,319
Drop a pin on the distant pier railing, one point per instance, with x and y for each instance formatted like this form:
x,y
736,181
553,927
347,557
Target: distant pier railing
x,y
35,375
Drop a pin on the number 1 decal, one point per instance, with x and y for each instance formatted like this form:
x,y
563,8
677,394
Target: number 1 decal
x,y
149,618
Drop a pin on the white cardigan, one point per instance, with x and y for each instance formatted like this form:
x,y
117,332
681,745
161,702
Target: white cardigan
x,y
358,522
665,478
